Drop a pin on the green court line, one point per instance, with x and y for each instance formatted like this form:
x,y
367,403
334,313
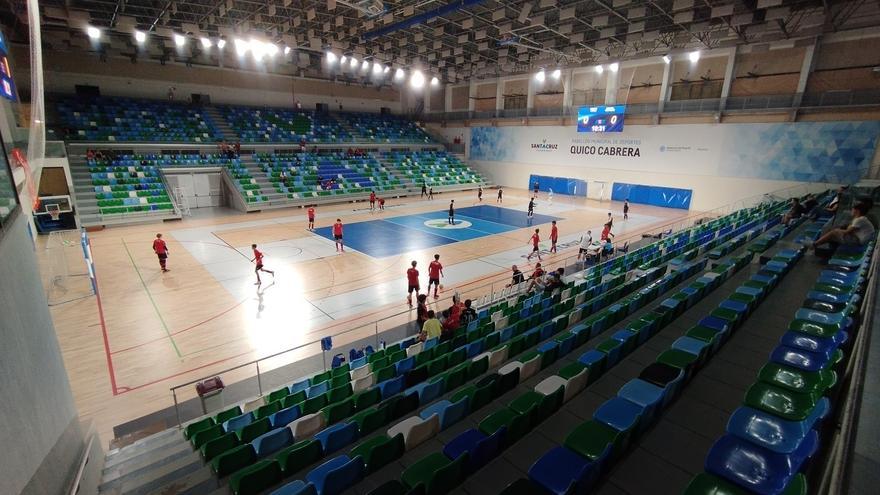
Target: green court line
x,y
149,295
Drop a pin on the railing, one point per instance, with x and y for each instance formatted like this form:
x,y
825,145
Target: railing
x,y
843,98
399,321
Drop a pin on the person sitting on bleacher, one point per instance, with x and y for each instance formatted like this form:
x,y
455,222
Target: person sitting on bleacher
x,y
859,232
518,277
796,211
835,202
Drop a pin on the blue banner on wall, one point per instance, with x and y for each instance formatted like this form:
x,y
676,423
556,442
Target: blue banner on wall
x,y
667,197
559,185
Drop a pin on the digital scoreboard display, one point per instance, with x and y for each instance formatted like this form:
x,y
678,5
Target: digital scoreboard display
x,y
7,87
601,118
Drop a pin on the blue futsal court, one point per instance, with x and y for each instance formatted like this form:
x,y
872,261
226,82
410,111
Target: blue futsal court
x,y
395,235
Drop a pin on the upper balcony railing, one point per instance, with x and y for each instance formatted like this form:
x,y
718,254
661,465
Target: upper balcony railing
x,y
827,99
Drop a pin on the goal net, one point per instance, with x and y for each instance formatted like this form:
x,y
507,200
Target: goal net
x,y
68,275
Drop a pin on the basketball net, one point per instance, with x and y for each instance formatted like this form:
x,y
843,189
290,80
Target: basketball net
x,y
55,214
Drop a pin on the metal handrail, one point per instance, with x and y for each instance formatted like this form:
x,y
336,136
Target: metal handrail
x,y
502,279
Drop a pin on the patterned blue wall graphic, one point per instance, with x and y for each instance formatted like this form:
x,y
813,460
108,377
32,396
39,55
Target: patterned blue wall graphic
x,y
492,143
805,151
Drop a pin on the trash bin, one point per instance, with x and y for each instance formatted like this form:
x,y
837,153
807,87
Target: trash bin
x,y
211,394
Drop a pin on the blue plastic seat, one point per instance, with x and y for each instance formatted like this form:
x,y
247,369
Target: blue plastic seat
x,y
768,430
798,358
647,396
561,471
391,387
405,365
431,343
820,317
481,448
449,412
566,345
238,422
693,346
755,468
618,413
336,475
318,389
338,436
284,416
475,348
273,441
828,297
715,323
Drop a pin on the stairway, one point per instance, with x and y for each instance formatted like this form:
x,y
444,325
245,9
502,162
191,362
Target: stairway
x,y
266,187
228,133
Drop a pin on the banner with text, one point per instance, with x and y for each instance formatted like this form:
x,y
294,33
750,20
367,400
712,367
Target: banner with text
x,y
809,151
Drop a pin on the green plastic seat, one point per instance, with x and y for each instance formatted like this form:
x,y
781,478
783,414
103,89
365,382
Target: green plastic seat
x,y
796,380
234,459
784,403
228,414
455,378
341,370
320,378
826,330
517,424
727,315
372,419
267,410
293,399
299,456
707,484
256,478
367,398
201,425
679,359
592,440
339,394
571,370
437,366
315,404
253,430
457,357
436,472
386,373
705,334
478,367
527,404
279,394
202,437
379,451
219,445
339,411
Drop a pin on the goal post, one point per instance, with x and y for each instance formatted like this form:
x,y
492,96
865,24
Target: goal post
x,y
71,272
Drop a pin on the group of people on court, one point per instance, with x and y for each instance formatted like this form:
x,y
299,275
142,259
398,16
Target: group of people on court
x,y
446,323
435,271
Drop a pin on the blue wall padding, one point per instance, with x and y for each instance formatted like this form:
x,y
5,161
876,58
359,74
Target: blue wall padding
x,y
667,197
560,185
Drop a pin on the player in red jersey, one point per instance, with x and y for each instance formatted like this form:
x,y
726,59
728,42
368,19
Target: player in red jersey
x,y
412,280
337,235
161,251
435,271
311,213
382,204
372,200
554,236
258,257
535,249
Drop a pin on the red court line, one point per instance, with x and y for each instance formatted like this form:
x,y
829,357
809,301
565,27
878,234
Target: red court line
x,y
104,332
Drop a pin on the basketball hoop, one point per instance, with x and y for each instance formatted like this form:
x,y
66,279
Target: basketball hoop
x,y
55,215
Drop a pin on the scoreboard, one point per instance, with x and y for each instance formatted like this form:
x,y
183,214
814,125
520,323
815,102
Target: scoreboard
x,y
7,87
601,118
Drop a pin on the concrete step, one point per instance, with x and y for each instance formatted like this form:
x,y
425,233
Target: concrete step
x,y
144,444
161,479
146,462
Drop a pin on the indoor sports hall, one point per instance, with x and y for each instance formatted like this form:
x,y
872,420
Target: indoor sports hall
x,y
449,247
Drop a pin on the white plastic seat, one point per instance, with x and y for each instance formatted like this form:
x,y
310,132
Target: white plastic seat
x,y
363,383
566,294
416,430
529,368
361,372
414,349
580,298
307,426
550,385
502,322
509,367
253,405
497,357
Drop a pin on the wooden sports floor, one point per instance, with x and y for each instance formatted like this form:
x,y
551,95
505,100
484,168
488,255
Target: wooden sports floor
x,y
148,331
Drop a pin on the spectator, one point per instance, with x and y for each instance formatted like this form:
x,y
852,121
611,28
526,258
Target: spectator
x,y
606,235
453,318
517,278
859,232
835,202
584,248
796,211
469,314
237,148
422,311
536,277
553,280
283,178
431,328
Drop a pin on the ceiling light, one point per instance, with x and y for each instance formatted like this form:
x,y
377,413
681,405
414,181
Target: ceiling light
x,y
258,49
398,74
614,67
667,59
287,50
353,63
599,69
271,49
377,69
140,36
221,43
694,56
331,58
435,82
540,76
206,42
417,80
387,69
179,40
556,74
365,66
343,60
241,47
93,32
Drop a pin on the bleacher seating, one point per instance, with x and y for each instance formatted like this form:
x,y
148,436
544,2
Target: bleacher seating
x,y
329,411
309,174
383,129
129,119
280,125
432,168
